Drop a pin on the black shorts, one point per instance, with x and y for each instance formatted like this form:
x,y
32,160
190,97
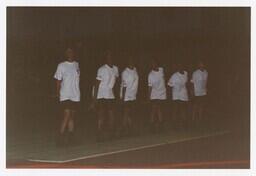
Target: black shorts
x,y
129,104
157,102
105,103
68,104
179,104
200,100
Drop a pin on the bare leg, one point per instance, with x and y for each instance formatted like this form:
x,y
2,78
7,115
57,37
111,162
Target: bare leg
x,y
184,111
194,112
200,112
175,119
180,114
153,121
64,124
71,137
126,119
129,120
71,122
111,119
100,118
111,123
153,112
160,118
159,114
100,123
174,112
65,121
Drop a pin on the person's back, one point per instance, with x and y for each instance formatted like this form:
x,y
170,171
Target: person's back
x,y
68,73
199,79
107,76
104,95
178,89
67,78
178,83
130,81
128,95
157,82
157,95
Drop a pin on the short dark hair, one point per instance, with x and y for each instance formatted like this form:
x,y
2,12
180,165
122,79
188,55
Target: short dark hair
x,y
155,60
107,51
198,61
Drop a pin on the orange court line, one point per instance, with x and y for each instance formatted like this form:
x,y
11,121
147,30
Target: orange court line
x,y
157,166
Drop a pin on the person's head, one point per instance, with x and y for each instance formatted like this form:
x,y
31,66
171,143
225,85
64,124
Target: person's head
x,y
201,65
154,64
130,62
70,54
79,44
109,58
179,67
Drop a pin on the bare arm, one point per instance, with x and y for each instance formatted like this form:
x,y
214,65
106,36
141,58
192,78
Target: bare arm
x,y
94,96
191,89
58,82
116,88
169,90
149,92
124,90
191,85
96,88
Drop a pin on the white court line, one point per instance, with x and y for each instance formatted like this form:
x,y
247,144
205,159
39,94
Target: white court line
x,y
130,149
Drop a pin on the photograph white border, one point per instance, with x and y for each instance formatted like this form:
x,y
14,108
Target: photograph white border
x,y
113,172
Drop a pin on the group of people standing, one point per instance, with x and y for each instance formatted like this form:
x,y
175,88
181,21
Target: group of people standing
x,y
160,88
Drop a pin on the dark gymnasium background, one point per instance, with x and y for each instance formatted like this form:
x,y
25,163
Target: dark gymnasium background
x,y
37,37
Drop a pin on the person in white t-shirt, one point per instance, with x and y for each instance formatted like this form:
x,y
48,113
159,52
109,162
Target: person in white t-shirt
x,y
179,94
157,94
68,91
104,94
199,81
128,94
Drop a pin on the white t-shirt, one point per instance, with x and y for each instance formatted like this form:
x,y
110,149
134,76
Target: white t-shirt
x,y
199,79
157,82
178,83
69,74
130,80
107,76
